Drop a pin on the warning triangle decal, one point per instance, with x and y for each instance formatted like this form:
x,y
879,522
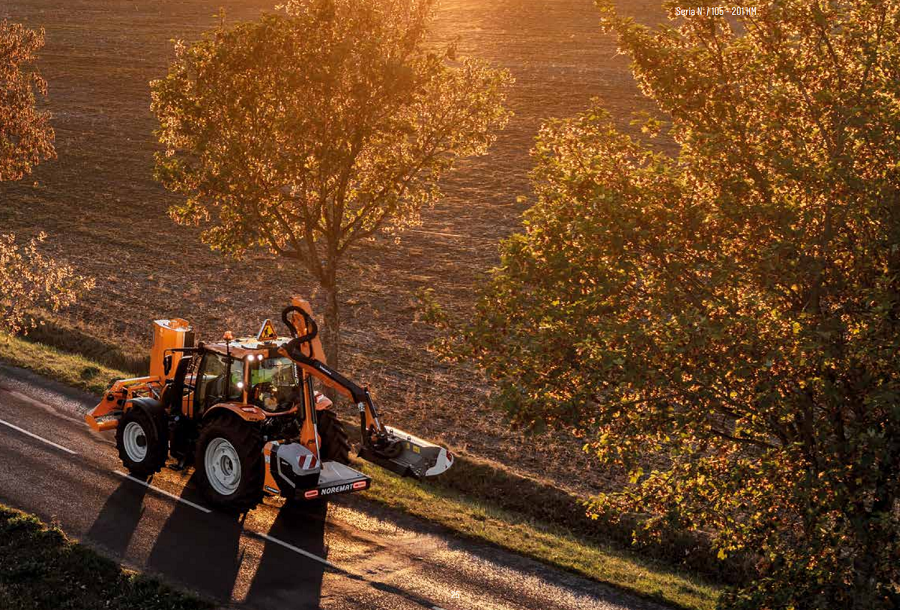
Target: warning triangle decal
x,y
267,332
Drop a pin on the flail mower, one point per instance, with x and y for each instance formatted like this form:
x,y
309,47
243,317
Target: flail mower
x,y
247,415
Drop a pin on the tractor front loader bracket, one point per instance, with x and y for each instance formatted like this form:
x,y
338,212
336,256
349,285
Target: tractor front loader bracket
x,y
105,415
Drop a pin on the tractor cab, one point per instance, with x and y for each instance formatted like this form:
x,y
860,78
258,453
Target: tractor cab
x,y
247,371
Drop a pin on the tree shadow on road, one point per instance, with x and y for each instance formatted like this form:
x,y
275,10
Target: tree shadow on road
x,y
118,519
285,579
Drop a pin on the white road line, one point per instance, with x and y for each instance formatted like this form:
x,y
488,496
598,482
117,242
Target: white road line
x,y
299,550
162,491
35,436
320,560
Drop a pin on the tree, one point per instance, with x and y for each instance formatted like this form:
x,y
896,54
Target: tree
x,y
28,278
735,307
307,132
26,137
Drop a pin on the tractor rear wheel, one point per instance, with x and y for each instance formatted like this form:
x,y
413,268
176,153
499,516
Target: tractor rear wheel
x,y
142,442
334,441
229,463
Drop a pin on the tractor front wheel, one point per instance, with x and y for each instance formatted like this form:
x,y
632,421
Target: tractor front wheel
x,y
142,442
229,463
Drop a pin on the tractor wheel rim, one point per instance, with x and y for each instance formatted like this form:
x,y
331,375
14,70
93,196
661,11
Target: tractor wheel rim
x,y
135,441
223,466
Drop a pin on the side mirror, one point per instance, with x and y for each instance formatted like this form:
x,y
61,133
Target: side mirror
x,y
167,364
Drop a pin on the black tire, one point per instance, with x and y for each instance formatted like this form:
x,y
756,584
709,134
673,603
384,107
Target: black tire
x,y
246,440
151,434
334,441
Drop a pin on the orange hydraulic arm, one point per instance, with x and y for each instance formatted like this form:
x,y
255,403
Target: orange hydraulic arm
x,y
305,350
169,336
390,448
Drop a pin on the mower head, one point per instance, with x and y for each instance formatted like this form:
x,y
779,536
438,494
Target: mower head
x,y
407,455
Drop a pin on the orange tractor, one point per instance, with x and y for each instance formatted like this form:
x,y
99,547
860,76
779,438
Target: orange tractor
x,y
246,413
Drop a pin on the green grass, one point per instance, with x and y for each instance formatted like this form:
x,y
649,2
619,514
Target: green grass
x,y
470,517
547,543
72,370
41,570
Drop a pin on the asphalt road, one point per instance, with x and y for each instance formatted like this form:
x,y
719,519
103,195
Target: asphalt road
x,y
350,553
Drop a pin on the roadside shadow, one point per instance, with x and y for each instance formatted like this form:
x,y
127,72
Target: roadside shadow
x,y
283,578
117,521
497,559
199,550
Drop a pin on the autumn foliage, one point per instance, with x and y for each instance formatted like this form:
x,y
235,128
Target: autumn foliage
x,y
26,137
29,278
733,309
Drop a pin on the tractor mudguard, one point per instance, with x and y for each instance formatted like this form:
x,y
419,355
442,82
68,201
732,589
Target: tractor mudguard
x,y
246,412
153,408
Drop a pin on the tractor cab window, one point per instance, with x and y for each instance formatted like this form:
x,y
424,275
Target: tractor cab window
x,y
274,385
216,383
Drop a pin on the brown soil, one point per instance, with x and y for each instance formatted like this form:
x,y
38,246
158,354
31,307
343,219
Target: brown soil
x,y
107,215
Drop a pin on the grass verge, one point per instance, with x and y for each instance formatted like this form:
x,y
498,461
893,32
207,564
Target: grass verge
x,y
468,514
41,570
70,369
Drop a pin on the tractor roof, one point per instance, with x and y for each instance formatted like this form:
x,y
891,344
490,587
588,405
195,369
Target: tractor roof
x,y
244,346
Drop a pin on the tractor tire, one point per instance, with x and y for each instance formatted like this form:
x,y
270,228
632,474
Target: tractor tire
x,y
142,442
229,463
333,438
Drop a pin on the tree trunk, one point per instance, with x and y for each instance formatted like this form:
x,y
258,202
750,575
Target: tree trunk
x,y
332,335
331,338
